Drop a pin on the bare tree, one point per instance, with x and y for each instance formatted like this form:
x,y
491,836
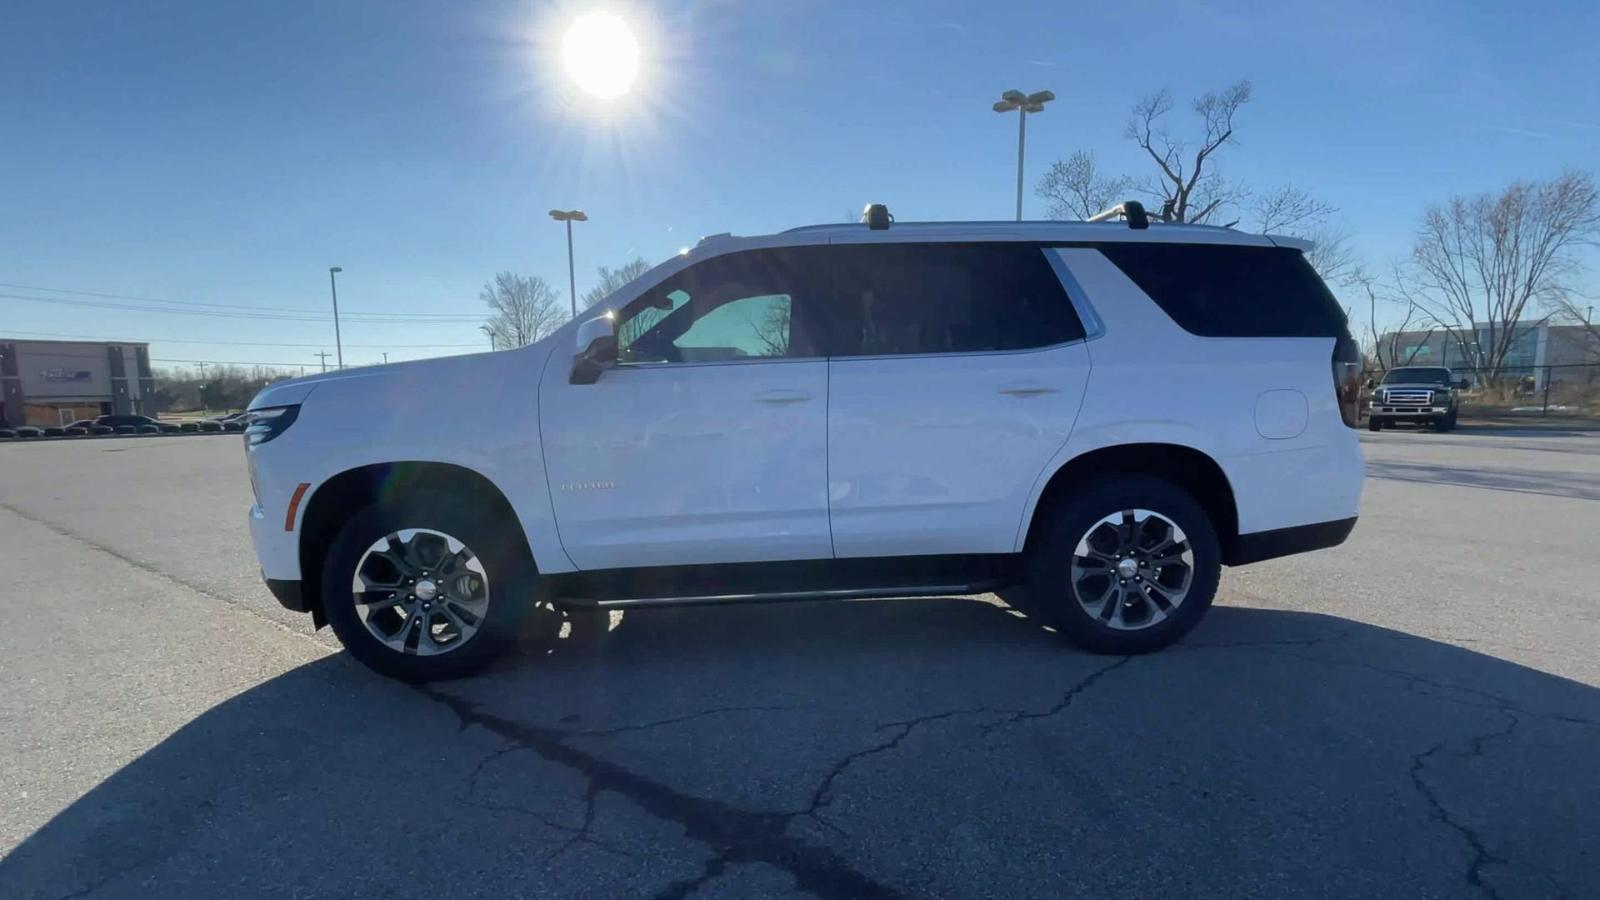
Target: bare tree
x,y
1076,189
1287,208
613,279
525,309
1578,309
1479,262
1387,352
1184,181
1189,186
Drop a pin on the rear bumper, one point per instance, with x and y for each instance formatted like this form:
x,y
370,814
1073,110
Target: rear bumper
x,y
1264,545
288,593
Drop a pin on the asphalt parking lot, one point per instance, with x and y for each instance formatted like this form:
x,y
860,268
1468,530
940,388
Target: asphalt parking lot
x,y
1414,714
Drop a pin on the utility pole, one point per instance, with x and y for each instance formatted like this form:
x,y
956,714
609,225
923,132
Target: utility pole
x,y
324,356
1024,103
334,287
386,357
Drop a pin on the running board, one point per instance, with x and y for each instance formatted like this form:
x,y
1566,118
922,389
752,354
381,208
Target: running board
x,y
791,580
782,596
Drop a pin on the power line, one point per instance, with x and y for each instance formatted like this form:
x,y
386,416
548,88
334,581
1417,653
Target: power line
x,y
300,309
298,316
85,337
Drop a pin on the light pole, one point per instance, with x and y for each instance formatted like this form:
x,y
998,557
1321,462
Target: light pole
x,y
333,285
570,216
1024,103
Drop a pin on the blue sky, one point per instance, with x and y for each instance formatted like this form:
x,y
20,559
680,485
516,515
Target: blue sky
x,y
230,152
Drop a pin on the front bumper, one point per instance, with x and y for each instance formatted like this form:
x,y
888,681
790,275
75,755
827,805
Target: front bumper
x,y
277,548
1416,413
288,593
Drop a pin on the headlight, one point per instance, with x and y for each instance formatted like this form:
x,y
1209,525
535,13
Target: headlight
x,y
266,424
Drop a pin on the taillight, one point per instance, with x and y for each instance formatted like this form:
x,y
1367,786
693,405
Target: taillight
x,y
1347,379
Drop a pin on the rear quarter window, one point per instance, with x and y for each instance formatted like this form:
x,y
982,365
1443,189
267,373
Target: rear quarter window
x,y
1222,291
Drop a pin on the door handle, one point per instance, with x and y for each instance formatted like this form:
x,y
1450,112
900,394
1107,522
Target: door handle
x,y
1026,389
782,395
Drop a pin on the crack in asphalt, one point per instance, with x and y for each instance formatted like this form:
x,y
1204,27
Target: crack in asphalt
x,y
1481,856
645,726
820,797
735,835
1072,694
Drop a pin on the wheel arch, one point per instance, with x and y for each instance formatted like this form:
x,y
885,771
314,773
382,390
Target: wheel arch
x,y
1191,469
330,506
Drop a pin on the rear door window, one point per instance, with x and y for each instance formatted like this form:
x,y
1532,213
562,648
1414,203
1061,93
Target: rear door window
x,y
1220,291
895,299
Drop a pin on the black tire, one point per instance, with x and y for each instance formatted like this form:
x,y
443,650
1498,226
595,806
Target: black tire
x,y
510,574
1374,424
1050,596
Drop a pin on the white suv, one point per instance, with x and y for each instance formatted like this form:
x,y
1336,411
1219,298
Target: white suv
x,y
1095,416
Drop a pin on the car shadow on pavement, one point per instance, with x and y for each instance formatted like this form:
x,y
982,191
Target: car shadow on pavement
x,y
1524,481
936,747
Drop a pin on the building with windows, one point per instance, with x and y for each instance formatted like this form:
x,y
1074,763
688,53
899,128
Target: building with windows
x,y
1565,352
54,382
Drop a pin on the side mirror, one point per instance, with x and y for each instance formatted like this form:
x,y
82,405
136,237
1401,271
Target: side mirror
x,y
596,350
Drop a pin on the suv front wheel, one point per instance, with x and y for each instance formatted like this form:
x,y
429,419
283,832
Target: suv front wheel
x,y
421,589
1126,566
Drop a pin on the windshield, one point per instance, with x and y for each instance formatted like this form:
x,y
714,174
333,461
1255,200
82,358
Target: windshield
x,y
1417,376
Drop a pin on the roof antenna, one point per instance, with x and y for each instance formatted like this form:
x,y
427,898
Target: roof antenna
x,y
1130,210
877,217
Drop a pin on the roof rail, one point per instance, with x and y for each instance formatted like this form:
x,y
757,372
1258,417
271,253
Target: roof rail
x,y
1131,210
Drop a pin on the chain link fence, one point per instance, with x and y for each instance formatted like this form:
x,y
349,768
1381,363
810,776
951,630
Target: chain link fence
x,y
1569,391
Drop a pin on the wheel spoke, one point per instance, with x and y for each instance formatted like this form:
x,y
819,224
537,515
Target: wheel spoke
x,y
1125,530
378,599
1171,554
1158,599
464,618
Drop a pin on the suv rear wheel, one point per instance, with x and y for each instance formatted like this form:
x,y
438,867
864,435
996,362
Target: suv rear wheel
x,y
1127,566
420,589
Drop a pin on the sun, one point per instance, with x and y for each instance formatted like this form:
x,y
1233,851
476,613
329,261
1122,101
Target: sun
x,y
601,54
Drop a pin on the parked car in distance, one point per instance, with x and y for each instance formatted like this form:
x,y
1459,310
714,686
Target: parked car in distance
x,y
1092,418
28,431
137,423
101,429
55,430
208,425
1418,395
188,427
74,431
8,432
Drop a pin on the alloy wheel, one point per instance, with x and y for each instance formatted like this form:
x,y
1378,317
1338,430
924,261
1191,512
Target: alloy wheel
x,y
421,592
1132,569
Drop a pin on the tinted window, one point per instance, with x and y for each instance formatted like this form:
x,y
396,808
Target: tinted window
x,y
945,298
753,304
1417,376
1219,291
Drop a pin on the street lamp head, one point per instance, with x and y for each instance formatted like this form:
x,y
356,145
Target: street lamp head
x,y
1003,106
570,215
1041,97
335,269
1013,97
